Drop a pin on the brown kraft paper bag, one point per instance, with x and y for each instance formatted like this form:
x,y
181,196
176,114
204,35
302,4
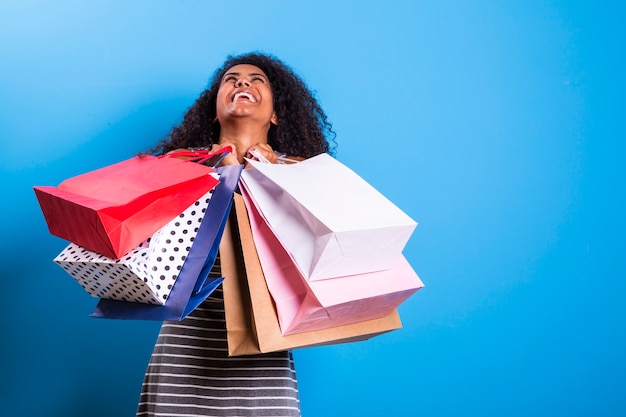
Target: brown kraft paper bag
x,y
251,320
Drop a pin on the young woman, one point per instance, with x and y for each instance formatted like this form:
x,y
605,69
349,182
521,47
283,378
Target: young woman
x,y
258,106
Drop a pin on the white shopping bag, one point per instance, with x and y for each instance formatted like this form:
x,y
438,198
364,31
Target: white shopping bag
x,y
330,220
148,272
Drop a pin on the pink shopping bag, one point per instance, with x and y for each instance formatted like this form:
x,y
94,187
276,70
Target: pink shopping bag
x,y
304,306
251,321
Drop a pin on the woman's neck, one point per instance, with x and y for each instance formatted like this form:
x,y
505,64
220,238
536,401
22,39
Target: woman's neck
x,y
243,136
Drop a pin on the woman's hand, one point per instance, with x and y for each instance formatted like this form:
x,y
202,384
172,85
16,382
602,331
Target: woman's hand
x,y
264,150
230,159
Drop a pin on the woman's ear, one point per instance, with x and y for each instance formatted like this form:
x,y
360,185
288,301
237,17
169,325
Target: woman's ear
x,y
274,119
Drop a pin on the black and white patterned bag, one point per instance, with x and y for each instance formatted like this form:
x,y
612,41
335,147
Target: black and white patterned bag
x,y
148,272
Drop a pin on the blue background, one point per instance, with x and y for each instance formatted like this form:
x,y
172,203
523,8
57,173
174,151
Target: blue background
x,y
498,126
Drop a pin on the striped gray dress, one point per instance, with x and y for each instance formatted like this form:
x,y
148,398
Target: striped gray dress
x,y
190,373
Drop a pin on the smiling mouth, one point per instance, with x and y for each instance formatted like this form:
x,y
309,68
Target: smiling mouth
x,y
244,96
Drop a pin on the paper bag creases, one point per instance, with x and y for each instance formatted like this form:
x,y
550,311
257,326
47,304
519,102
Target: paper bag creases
x,y
251,319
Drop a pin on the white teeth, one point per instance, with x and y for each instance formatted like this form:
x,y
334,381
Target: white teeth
x,y
244,94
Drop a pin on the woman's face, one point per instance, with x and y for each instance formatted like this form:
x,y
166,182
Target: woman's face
x,y
245,92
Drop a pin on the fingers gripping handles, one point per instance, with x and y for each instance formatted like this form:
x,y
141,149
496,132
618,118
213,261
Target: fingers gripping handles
x,y
201,156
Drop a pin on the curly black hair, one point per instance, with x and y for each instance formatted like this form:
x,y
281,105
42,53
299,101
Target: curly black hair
x,y
303,129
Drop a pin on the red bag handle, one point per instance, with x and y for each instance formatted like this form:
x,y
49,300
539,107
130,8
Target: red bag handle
x,y
202,156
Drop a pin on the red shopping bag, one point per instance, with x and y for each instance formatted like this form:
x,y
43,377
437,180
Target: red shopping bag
x,y
113,209
307,306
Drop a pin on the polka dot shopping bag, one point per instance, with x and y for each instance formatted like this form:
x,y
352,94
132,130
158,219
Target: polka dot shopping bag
x,y
148,272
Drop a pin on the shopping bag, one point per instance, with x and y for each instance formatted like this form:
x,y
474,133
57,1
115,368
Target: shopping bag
x,y
113,209
148,272
304,306
193,284
330,220
251,321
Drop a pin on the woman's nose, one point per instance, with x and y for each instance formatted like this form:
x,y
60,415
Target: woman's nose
x,y
241,82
